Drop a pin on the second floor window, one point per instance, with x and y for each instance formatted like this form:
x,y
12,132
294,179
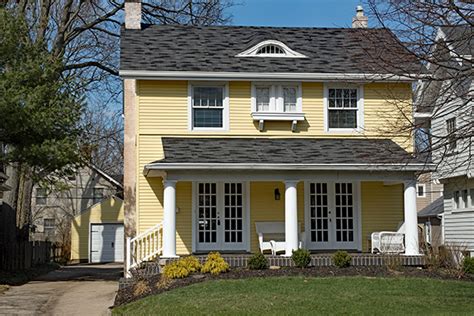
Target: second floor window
x,y
421,190
98,195
263,99
41,196
451,133
277,98
208,107
48,225
342,108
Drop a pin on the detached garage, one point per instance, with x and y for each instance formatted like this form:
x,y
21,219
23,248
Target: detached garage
x,y
97,234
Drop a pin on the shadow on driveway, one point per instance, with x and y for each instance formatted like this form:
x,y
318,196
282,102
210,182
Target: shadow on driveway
x,y
85,272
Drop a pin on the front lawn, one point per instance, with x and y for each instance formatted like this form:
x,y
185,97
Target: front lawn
x,y
304,295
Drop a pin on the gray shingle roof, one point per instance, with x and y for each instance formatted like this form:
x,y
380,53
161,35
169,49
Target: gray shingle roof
x,y
283,151
213,48
433,209
461,38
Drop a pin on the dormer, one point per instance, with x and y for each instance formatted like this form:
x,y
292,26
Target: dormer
x,y
271,48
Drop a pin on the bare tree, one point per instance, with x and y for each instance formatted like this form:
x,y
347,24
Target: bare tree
x,y
439,35
84,36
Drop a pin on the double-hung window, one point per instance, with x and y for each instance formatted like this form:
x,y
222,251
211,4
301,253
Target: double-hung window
x,y
208,107
41,196
343,108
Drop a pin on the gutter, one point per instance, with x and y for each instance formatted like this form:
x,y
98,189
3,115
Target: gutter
x,y
265,76
287,167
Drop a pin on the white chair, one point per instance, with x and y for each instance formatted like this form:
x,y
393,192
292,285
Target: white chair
x,y
389,242
271,236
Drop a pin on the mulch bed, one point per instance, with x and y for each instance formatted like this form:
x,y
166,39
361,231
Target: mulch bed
x,y
155,285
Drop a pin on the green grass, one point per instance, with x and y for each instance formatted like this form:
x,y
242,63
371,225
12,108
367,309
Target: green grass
x,y
299,295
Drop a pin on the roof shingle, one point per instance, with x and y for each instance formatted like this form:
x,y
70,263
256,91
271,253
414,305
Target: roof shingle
x,y
283,151
214,48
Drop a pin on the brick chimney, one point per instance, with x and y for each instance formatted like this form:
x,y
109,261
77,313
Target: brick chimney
x,y
360,20
133,14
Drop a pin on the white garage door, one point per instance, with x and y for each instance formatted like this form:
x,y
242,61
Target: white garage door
x,y
107,242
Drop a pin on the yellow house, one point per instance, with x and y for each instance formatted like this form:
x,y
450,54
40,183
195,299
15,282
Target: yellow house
x,y
97,234
299,130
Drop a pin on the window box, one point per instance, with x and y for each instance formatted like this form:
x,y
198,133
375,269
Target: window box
x,y
277,102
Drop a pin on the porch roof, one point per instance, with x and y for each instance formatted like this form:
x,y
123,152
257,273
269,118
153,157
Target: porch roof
x,y
285,154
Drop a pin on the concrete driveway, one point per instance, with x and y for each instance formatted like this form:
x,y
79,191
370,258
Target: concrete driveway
x,y
71,290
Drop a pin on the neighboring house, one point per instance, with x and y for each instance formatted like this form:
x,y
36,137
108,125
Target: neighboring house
x,y
97,233
430,219
428,190
8,228
230,126
52,212
451,120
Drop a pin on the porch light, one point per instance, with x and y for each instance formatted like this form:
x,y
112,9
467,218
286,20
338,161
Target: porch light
x,y
277,194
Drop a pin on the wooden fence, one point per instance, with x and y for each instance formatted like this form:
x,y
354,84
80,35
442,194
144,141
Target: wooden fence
x,y
26,254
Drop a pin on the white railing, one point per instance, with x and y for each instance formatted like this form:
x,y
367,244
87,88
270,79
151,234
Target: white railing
x,y
144,247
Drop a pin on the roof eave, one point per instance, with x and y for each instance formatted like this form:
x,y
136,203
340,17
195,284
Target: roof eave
x,y
287,167
265,76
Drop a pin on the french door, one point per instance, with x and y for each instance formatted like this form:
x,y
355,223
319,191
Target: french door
x,y
220,216
331,218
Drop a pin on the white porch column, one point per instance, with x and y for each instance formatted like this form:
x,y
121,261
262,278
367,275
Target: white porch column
x,y
291,217
411,219
169,219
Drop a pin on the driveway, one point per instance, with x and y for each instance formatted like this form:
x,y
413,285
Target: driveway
x,y
71,290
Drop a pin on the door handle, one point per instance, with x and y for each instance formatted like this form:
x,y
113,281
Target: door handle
x,y
112,244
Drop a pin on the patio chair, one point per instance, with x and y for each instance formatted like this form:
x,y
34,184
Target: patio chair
x,y
389,242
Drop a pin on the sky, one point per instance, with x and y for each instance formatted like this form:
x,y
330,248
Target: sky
x,y
308,13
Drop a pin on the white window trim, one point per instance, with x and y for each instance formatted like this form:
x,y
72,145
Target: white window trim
x,y
288,52
360,108
276,98
225,103
424,190
468,206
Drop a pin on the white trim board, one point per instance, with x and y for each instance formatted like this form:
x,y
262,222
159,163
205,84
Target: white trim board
x,y
265,76
289,166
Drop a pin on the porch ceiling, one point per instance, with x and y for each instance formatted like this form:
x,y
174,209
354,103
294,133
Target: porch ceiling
x,y
285,154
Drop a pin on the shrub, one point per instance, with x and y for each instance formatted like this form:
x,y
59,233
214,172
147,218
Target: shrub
x,y
175,270
191,263
140,288
164,282
341,259
468,265
258,262
215,264
301,258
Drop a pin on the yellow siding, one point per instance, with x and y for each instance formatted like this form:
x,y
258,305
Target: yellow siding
x,y
184,218
382,208
264,207
163,111
108,211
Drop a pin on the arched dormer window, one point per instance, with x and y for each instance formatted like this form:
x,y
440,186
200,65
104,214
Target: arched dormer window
x,y
271,48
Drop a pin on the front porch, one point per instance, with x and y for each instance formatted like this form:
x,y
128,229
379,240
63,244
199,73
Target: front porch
x,y
331,196
319,216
